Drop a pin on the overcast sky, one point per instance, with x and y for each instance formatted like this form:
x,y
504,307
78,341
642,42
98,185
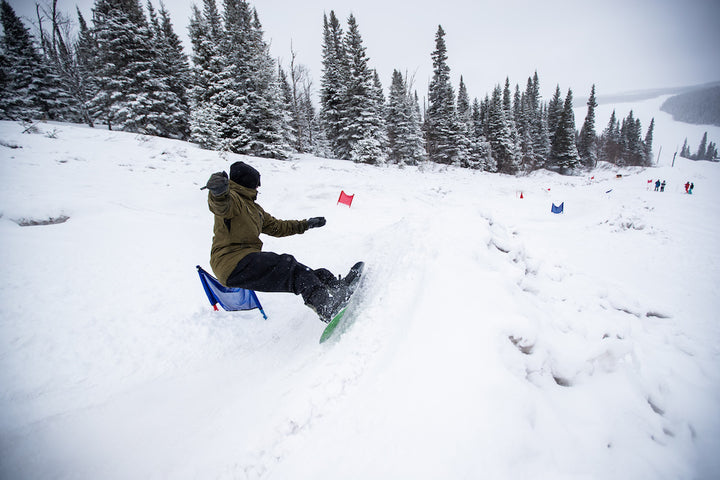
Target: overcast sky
x,y
619,45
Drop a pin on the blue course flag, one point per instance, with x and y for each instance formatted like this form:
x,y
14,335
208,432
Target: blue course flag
x,y
230,299
558,209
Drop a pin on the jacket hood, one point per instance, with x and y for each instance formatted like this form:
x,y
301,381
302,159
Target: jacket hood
x,y
246,192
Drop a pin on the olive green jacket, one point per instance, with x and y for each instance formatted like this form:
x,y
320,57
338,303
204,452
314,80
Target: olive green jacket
x,y
239,221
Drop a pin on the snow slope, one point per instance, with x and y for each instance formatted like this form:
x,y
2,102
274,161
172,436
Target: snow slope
x,y
494,339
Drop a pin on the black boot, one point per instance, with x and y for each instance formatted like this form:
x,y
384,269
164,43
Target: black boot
x,y
327,301
330,280
353,276
326,277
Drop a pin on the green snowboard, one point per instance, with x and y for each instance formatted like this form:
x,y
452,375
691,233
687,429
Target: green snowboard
x,y
340,321
333,325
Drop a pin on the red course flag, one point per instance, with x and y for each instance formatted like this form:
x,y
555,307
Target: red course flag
x,y
345,198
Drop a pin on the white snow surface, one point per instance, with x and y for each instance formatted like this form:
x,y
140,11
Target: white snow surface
x,y
493,339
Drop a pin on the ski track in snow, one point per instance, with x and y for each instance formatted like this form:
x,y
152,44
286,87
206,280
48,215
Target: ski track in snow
x,y
492,339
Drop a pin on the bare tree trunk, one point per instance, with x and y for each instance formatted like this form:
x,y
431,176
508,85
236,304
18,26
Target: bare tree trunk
x,y
295,109
40,26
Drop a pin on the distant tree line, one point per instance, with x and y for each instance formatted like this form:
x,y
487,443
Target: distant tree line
x,y
706,150
127,70
700,106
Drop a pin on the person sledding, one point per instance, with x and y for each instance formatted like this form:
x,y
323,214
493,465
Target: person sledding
x,y
237,258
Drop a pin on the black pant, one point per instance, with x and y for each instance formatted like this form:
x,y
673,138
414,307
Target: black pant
x,y
270,272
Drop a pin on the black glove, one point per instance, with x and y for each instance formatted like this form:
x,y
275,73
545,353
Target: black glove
x,y
217,184
316,222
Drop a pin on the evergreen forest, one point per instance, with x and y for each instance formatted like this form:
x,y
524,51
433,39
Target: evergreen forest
x,y
699,106
125,69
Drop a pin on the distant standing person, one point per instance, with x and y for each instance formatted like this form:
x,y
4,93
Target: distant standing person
x,y
687,186
692,185
657,185
662,186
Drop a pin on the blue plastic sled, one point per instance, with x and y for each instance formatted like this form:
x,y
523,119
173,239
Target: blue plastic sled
x,y
230,299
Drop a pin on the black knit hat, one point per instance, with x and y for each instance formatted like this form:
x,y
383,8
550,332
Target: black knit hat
x,y
245,175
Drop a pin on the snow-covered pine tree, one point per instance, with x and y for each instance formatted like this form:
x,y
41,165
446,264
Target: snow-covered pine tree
x,y
168,113
685,150
173,72
625,134
85,46
712,151
507,101
626,130
554,114
124,66
536,114
464,128
477,116
510,116
484,114
525,118
647,145
22,75
542,146
404,135
480,146
290,110
517,104
440,122
266,120
332,83
524,124
85,53
702,148
248,107
610,141
564,154
587,145
379,105
632,151
398,118
415,141
230,101
532,95
499,130
639,152
361,117
209,63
